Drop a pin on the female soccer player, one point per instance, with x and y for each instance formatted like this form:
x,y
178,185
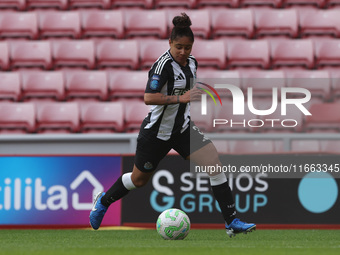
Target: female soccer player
x,y
168,126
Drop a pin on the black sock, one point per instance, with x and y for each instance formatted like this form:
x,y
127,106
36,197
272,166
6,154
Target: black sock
x,y
225,200
116,192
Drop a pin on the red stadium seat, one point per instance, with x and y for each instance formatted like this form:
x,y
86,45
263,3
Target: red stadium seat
x,y
269,3
134,113
103,4
232,22
254,146
86,85
292,53
102,23
17,118
150,51
189,4
145,4
319,23
248,53
102,117
47,4
200,20
57,117
73,53
18,25
263,82
325,116
305,146
42,85
30,54
4,55
10,86
19,5
210,53
318,82
335,80
327,53
146,23
127,84
296,3
283,23
59,24
217,3
117,54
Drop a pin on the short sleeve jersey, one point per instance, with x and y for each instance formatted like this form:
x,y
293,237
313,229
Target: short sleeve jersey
x,y
166,76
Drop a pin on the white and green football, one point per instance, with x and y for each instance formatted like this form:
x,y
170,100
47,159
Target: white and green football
x,y
173,224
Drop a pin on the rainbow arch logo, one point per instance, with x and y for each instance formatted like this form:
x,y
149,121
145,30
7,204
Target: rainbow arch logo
x,y
209,93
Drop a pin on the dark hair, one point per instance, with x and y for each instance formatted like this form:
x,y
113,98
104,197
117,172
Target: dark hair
x,y
181,27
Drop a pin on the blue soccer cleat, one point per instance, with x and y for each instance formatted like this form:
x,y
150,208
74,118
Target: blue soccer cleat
x,y
237,226
98,211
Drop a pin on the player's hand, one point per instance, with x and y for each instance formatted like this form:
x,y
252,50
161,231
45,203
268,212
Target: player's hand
x,y
191,95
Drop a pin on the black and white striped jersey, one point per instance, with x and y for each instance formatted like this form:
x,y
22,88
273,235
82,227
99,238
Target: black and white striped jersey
x,y
166,76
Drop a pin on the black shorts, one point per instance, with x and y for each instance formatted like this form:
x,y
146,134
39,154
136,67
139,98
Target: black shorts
x,y
151,150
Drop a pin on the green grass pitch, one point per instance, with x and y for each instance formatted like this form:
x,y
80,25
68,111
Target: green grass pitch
x,y
148,242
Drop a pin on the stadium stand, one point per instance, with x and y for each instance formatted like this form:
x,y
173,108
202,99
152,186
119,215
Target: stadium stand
x,y
276,23
128,84
260,3
17,118
10,87
19,5
327,53
104,23
111,45
18,25
102,117
86,85
73,53
42,85
150,50
30,54
47,4
297,3
216,3
318,82
263,82
210,54
59,117
189,4
298,53
134,113
316,22
117,54
248,53
59,24
4,56
325,117
103,4
140,4
232,23
149,23
200,21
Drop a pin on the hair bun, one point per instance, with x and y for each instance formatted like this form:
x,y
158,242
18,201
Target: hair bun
x,y
182,21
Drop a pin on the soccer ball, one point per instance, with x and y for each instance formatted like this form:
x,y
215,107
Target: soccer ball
x,y
173,224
